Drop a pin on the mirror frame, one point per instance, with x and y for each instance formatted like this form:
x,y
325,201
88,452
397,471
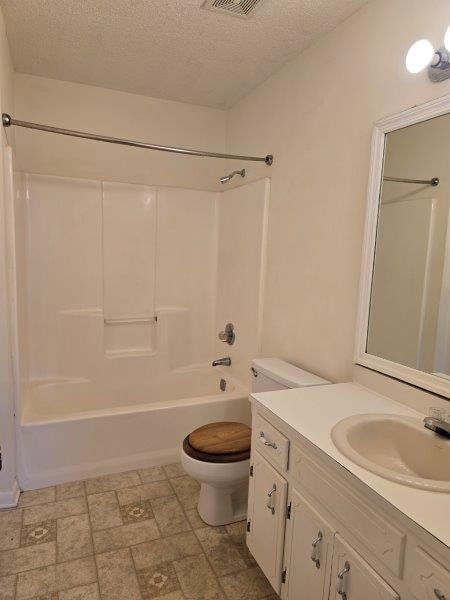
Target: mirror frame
x,y
417,114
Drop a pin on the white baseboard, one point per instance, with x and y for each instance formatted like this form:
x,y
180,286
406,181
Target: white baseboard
x,y
32,481
10,498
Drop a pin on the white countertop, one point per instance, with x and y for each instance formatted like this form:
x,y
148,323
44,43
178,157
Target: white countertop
x,y
313,412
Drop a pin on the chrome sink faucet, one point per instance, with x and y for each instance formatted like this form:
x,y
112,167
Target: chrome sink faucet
x,y
225,362
437,422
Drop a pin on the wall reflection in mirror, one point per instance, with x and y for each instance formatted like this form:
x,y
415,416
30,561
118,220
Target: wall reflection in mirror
x,y
409,320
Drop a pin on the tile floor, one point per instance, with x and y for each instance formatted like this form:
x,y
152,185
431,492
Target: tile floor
x,y
128,536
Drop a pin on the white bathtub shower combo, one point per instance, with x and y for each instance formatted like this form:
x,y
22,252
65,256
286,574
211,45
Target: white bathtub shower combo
x,y
121,291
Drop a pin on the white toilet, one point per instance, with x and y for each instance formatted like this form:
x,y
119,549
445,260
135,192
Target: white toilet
x,y
217,455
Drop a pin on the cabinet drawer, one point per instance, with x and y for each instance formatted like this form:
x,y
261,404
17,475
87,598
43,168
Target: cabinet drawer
x,y
427,579
372,530
269,442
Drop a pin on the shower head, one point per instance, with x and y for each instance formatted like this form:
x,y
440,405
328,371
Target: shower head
x,y
227,178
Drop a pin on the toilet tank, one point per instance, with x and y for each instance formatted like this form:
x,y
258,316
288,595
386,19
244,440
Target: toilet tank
x,y
270,374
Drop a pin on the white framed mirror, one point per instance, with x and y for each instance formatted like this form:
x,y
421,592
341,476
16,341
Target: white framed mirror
x,y
403,327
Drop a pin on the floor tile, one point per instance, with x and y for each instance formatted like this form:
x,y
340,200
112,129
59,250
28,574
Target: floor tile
x,y
104,510
238,533
137,511
38,533
74,489
56,578
174,470
10,529
54,510
8,587
25,559
84,592
158,581
197,579
116,481
74,538
125,536
170,516
194,518
34,497
187,490
165,550
147,491
117,577
152,474
222,554
249,584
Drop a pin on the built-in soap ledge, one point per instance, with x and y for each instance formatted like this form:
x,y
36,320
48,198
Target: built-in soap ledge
x,y
129,336
130,320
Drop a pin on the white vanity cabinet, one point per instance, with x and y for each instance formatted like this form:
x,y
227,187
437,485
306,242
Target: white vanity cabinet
x,y
319,533
265,531
309,546
353,578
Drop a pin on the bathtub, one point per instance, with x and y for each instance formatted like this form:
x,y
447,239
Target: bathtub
x,y
75,429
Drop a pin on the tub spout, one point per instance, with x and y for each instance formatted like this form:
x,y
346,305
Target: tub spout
x,y
225,362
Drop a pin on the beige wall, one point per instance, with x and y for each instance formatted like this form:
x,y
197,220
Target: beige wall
x,y
117,114
316,116
7,441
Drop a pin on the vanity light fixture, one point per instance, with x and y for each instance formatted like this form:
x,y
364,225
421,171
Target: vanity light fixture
x,y
422,55
419,56
447,39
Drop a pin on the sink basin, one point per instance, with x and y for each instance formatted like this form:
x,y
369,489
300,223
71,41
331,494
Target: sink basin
x,y
397,448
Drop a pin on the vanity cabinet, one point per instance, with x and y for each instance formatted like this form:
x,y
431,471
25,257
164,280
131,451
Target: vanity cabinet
x,y
319,533
353,577
265,530
309,546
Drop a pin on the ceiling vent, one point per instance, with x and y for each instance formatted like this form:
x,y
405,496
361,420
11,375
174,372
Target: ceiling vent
x,y
236,8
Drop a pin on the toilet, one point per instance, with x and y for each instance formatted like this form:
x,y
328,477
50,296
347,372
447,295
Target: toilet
x,y
217,455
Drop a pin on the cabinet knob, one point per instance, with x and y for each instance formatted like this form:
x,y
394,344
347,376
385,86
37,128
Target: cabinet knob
x,y
315,549
341,581
262,439
270,499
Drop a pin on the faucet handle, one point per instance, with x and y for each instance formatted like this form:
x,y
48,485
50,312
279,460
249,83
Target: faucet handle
x,y
228,335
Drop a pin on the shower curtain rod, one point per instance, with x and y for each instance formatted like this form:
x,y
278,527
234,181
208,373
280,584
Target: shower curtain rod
x,y
7,121
434,181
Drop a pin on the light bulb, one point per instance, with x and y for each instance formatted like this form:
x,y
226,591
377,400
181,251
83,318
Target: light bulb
x,y
447,39
419,56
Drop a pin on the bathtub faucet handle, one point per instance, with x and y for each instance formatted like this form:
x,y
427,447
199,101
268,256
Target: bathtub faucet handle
x,y
228,335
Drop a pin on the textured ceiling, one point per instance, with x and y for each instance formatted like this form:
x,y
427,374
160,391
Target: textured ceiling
x,y
165,48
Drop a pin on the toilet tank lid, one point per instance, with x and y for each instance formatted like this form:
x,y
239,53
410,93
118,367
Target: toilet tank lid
x,y
285,373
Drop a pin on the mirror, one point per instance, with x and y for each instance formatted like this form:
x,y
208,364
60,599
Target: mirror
x,y
405,313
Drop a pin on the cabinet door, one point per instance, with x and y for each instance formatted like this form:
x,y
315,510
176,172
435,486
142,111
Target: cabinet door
x,y
266,518
309,545
353,579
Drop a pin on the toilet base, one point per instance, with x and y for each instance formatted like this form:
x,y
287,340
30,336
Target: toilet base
x,y
221,506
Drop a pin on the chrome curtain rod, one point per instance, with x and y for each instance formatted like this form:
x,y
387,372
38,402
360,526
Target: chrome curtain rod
x,y
7,121
434,181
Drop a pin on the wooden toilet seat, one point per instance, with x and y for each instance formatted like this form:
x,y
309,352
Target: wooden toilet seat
x,y
222,442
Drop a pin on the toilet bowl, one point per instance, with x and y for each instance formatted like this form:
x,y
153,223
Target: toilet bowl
x,y
224,489
217,455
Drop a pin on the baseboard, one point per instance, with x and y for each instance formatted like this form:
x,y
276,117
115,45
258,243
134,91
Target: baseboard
x,y
10,498
32,481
